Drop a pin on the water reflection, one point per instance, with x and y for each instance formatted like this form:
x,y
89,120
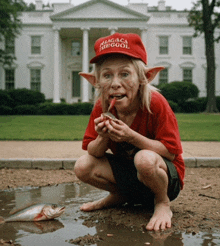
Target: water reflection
x,y
72,223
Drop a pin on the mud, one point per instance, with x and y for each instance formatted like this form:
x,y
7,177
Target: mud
x,y
196,214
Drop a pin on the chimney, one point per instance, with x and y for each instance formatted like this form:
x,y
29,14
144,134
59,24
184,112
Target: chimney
x,y
161,5
39,5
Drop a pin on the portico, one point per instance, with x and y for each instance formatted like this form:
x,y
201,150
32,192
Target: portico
x,y
78,28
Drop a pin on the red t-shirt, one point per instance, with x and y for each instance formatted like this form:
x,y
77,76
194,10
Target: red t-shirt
x,y
159,125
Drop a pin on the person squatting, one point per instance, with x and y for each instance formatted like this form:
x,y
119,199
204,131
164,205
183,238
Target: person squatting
x,y
145,165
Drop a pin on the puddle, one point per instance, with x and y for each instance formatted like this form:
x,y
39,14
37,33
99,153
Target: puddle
x,y
71,224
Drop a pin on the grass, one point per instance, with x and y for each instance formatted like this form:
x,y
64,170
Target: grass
x,y
43,127
199,127
193,127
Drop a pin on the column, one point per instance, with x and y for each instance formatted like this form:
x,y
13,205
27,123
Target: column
x,y
56,78
144,37
85,65
112,30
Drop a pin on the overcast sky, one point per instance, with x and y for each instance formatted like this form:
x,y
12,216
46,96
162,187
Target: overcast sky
x,y
176,4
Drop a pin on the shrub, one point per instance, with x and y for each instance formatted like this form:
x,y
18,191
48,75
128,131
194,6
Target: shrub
x,y
26,97
5,110
179,92
218,103
5,99
202,102
191,107
25,110
54,109
174,106
84,108
65,109
63,100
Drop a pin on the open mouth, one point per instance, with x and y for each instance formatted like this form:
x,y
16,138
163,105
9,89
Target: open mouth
x,y
118,97
62,210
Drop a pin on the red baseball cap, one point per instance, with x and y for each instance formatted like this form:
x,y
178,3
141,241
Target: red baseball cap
x,y
128,44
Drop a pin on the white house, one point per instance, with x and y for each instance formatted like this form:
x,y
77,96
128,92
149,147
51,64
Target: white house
x,y
56,44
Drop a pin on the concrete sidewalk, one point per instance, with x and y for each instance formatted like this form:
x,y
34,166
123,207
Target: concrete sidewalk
x,y
63,154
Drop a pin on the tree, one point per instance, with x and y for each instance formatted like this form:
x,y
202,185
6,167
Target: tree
x,y
10,25
206,19
30,7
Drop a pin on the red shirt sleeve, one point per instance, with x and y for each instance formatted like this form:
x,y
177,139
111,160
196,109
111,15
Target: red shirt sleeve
x,y
90,133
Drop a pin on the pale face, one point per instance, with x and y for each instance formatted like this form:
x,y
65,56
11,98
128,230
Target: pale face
x,y
119,79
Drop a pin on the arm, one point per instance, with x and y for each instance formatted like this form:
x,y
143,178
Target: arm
x,y
98,146
142,142
119,132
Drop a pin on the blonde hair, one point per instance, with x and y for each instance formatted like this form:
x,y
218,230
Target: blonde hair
x,y
145,88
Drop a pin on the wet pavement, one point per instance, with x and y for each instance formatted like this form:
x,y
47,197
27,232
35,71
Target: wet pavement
x,y
71,228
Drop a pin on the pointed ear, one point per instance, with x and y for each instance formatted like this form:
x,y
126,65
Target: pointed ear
x,y
90,77
152,72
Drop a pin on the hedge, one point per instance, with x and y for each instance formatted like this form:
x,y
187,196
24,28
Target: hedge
x,y
5,99
48,109
8,105
179,92
192,106
5,110
26,97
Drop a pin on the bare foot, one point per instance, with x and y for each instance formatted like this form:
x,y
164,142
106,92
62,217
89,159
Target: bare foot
x,y
161,218
110,200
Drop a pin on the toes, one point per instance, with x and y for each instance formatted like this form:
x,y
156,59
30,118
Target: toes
x,y
163,225
157,225
150,225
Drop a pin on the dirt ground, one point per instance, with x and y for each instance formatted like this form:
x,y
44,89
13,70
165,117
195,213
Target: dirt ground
x,y
196,209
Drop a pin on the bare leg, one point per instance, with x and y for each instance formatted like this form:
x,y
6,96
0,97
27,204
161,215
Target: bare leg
x,y
97,172
152,171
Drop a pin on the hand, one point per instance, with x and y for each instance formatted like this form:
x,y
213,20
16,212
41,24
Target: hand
x,y
118,131
100,127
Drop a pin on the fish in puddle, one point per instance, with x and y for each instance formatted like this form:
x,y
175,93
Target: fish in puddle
x,y
36,212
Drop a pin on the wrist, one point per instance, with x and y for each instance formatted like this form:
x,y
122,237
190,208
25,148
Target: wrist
x,y
131,139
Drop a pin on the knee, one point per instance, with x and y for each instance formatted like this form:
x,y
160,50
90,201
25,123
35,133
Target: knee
x,y
83,168
146,163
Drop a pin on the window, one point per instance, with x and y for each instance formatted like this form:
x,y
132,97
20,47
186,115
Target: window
x,y
10,45
163,49
76,49
36,45
163,76
35,79
75,84
187,45
9,79
187,74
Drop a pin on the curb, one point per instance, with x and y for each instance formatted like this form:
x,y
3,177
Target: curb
x,y
43,164
54,164
202,161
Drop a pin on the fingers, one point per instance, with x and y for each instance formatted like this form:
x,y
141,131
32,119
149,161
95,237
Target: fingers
x,y
100,126
114,124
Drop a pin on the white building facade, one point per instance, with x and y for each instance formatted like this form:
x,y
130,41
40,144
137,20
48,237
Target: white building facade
x,y
56,44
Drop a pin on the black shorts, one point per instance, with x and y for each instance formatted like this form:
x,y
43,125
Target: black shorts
x,y
132,189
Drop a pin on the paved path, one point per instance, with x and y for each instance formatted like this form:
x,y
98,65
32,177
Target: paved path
x,y
33,152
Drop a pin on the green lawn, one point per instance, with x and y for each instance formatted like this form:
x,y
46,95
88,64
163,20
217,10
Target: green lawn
x,y
199,127
193,127
42,127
